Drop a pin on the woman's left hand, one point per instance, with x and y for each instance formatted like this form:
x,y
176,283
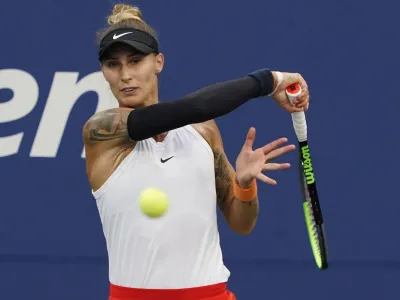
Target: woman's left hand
x,y
251,163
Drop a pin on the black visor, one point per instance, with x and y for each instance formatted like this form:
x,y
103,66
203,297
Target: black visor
x,y
138,39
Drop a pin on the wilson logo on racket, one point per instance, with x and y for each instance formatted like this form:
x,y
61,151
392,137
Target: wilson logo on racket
x,y
308,170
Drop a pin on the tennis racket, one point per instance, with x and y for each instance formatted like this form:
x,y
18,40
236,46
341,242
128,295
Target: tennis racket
x,y
312,210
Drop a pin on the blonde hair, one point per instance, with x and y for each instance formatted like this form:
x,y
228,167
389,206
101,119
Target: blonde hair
x,y
125,16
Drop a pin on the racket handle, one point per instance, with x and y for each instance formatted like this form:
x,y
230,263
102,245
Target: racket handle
x,y
298,118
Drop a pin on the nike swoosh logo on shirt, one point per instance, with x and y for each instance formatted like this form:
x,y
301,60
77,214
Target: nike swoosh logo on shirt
x,y
165,160
116,36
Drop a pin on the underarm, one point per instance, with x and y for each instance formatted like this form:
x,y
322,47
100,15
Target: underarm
x,y
224,171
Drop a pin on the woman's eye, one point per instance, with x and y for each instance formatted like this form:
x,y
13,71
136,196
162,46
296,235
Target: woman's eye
x,y
111,64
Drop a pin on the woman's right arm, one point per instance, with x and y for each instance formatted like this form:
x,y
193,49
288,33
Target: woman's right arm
x,y
111,134
124,125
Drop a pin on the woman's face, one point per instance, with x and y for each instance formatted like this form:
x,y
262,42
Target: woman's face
x,y
132,75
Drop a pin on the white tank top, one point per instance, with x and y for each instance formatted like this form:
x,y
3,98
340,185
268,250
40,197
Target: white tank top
x,y
182,248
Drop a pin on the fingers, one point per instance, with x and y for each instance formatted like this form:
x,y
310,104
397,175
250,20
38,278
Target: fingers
x,y
275,166
251,135
266,179
275,144
291,108
279,152
301,102
302,82
304,98
269,167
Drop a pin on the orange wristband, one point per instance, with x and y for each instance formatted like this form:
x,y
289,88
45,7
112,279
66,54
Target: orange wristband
x,y
244,194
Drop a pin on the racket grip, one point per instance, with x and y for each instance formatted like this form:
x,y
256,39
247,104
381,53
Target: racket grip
x,y
298,118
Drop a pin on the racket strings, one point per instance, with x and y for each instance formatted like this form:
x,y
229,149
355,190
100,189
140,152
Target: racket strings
x,y
313,233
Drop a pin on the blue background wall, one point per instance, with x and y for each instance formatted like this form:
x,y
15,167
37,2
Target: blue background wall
x,y
51,241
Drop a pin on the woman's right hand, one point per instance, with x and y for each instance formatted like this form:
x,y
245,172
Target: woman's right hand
x,y
301,102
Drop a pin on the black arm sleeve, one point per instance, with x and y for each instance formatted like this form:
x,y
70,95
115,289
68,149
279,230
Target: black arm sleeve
x,y
203,105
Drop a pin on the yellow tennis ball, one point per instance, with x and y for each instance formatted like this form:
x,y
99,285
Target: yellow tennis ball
x,y
153,202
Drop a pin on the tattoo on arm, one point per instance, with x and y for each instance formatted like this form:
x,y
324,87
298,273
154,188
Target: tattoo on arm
x,y
108,125
223,179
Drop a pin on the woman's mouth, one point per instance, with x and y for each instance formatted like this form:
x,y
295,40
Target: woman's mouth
x,y
128,90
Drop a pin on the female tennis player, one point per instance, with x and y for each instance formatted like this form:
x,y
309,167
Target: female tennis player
x,y
174,146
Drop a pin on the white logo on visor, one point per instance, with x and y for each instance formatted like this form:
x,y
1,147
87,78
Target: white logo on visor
x,y
116,36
